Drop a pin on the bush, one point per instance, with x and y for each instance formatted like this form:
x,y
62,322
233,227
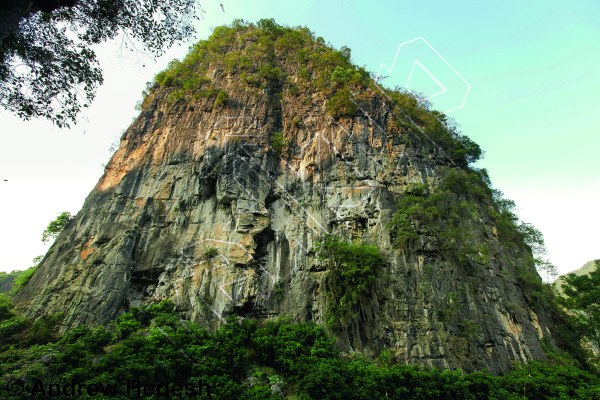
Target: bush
x,y
293,91
23,279
269,73
126,325
271,27
5,307
56,227
340,105
10,326
352,270
210,253
278,142
43,329
304,74
250,80
222,98
245,62
348,76
244,361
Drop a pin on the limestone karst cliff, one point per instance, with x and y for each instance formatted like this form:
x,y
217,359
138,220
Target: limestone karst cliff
x,y
244,154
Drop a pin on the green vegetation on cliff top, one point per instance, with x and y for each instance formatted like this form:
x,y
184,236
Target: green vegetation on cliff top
x,y
267,60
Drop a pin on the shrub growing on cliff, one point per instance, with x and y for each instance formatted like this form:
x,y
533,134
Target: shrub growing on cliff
x,y
56,227
222,98
278,142
22,279
348,76
43,329
340,105
441,214
25,276
5,307
268,73
352,271
210,253
413,112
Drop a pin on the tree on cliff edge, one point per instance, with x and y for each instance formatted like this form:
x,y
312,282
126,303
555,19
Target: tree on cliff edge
x,y
47,68
56,227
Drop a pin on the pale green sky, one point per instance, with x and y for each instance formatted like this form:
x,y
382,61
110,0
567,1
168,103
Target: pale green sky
x,y
533,106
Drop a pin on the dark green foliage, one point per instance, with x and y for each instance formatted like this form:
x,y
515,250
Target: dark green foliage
x,y
56,227
450,213
304,74
511,232
359,379
543,381
582,298
20,332
340,104
47,68
292,348
5,307
211,91
43,329
245,62
442,213
341,76
11,326
244,361
352,271
10,281
271,27
10,323
22,277
211,252
222,98
278,142
250,80
266,72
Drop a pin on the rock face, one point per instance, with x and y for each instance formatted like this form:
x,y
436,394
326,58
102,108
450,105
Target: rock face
x,y
193,175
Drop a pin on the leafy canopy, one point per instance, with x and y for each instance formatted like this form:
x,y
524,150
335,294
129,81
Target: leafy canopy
x,y
353,269
56,227
582,298
247,361
47,68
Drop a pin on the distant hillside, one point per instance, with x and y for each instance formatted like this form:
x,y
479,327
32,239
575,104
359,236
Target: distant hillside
x,y
586,269
7,280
